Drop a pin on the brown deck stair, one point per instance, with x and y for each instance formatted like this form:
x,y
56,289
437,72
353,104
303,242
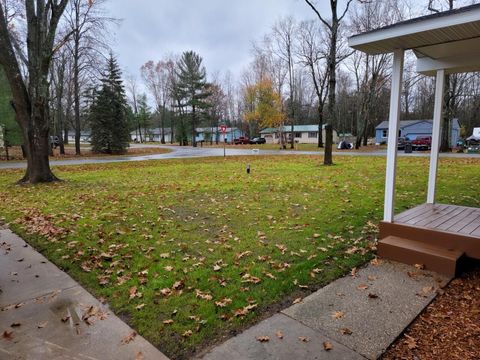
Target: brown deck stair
x,y
412,252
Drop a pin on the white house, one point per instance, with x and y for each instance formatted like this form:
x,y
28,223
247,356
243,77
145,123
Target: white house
x,y
304,134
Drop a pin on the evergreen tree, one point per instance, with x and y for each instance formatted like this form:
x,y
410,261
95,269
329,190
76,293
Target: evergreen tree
x,y
192,86
108,114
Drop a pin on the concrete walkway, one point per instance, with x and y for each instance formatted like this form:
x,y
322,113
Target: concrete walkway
x,y
355,317
46,315
188,152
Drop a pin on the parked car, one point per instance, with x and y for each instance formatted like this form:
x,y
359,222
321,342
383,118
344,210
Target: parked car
x,y
258,140
422,143
242,140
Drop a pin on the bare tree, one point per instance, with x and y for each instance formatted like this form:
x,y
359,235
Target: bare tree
x,y
156,78
88,26
311,54
284,36
31,93
133,94
333,26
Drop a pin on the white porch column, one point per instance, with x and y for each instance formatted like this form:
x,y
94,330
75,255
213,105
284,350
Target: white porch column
x,y
393,127
436,134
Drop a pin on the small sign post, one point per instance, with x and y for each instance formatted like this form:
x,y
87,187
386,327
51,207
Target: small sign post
x,y
223,129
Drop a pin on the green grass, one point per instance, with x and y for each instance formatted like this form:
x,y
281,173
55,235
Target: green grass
x,y
198,227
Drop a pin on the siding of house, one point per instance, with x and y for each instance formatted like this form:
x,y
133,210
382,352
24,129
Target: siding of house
x,y
411,130
304,134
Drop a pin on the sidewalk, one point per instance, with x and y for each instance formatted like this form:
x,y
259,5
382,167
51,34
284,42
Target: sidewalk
x,y
45,314
355,317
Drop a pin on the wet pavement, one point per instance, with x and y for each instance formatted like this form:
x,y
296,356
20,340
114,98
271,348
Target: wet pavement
x,y
46,315
186,152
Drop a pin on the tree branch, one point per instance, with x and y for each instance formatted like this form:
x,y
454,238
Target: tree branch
x,y
319,15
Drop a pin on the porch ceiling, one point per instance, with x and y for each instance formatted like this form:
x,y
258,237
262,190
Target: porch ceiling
x,y
449,40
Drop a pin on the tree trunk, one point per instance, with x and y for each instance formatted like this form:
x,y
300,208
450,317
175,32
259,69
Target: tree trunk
x,y
194,140
328,145
320,126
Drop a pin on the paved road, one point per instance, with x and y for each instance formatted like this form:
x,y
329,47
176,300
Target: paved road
x,y
185,152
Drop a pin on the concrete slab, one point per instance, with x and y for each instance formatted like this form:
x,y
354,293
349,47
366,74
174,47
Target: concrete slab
x,y
246,346
375,306
24,273
49,323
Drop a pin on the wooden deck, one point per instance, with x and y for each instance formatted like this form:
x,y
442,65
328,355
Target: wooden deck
x,y
449,218
434,235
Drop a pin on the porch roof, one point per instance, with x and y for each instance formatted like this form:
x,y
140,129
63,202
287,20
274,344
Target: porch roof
x,y
448,40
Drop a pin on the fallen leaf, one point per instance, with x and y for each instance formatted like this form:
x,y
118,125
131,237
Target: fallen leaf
x,y
303,338
297,300
139,356
7,335
42,324
420,266
263,338
168,322
140,307
362,286
15,324
338,314
354,272
373,296
410,342
129,338
132,292
187,333
66,318
327,346
346,331
279,334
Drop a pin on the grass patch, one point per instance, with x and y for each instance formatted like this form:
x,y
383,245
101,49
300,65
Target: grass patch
x,y
190,250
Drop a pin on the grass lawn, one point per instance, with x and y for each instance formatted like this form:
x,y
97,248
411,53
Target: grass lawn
x,y
190,250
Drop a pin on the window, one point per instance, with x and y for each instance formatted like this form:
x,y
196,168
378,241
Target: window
x,y
385,133
298,134
313,134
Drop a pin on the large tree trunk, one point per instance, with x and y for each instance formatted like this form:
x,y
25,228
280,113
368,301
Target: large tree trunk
x,y
30,102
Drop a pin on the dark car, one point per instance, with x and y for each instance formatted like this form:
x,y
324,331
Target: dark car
x,y
401,143
258,140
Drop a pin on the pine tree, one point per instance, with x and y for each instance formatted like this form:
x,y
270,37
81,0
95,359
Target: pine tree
x,y
192,86
108,114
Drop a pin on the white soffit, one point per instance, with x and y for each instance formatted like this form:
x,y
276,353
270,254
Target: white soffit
x,y
441,28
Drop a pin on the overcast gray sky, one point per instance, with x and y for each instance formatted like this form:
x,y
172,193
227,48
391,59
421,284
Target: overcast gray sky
x,y
221,31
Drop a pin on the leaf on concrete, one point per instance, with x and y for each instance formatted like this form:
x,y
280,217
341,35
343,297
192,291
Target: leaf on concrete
x,y
263,338
327,345
129,338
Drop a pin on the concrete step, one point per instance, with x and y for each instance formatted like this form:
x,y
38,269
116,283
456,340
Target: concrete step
x,y
434,258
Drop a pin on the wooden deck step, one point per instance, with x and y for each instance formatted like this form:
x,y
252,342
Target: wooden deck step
x,y
441,260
